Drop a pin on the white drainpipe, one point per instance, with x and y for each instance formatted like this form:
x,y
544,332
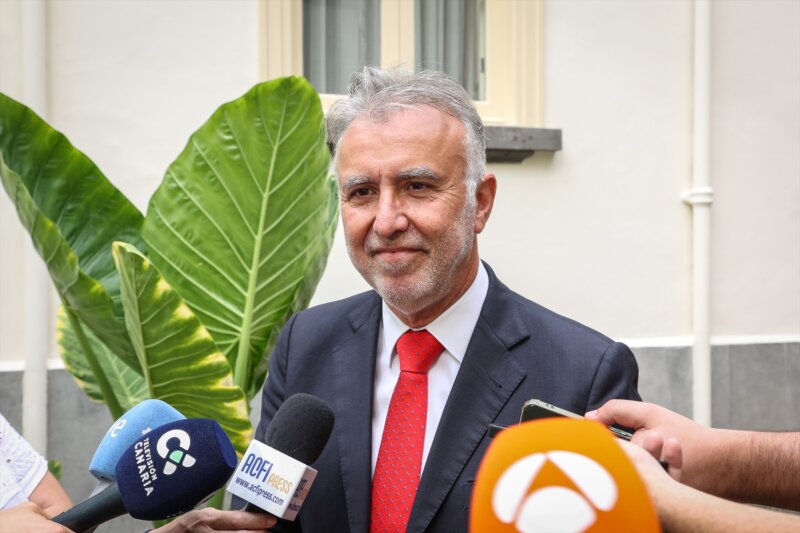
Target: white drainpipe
x,y
700,197
37,282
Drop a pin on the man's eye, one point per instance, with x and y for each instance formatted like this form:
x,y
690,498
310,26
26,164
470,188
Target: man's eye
x,y
361,192
416,186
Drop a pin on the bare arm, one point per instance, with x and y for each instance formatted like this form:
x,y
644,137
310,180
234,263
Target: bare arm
x,y
684,509
746,466
28,518
50,496
763,468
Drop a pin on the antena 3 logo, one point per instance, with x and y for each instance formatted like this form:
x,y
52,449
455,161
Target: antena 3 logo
x,y
559,475
514,503
175,456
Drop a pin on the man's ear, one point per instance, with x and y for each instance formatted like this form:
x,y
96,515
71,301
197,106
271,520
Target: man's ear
x,y
485,200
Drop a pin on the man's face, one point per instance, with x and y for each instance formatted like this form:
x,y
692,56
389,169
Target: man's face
x,y
409,227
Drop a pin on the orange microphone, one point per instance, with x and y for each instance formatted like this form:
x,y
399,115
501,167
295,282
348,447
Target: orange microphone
x,y
562,475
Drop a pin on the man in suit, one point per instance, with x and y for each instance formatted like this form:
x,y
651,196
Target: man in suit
x,y
413,408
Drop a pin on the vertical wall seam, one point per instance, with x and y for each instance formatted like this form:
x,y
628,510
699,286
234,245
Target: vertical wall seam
x,y
37,282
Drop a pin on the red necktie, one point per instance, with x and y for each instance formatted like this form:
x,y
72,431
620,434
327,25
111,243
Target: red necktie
x,y
397,472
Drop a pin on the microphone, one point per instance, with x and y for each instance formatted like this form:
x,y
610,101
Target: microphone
x,y
559,474
274,475
137,421
166,472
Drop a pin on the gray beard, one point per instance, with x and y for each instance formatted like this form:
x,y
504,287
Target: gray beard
x,y
434,280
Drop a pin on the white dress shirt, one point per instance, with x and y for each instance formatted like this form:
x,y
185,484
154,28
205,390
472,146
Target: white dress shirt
x,y
453,329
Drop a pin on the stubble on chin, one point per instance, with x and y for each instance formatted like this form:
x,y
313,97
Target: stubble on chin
x,y
401,285
406,290
422,281
417,284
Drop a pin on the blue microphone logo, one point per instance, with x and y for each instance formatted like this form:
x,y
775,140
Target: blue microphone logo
x,y
175,456
257,467
115,428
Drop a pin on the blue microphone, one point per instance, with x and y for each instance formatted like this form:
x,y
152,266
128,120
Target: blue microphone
x,y
166,472
127,429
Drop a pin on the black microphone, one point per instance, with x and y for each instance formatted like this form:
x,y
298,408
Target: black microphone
x,y
300,428
166,472
272,482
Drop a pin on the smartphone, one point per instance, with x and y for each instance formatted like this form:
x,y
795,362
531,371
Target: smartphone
x,y
537,409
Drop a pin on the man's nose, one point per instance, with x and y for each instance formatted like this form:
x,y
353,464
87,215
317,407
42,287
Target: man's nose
x,y
390,218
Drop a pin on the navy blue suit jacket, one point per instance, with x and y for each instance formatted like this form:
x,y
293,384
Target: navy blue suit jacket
x,y
518,351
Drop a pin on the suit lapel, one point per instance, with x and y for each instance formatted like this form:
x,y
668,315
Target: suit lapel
x,y
488,376
354,369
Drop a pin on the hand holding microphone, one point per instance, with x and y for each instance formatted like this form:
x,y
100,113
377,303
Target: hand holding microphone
x,y
209,520
274,475
166,472
172,468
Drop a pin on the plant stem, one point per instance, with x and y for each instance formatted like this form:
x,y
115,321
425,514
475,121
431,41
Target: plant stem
x,y
217,499
100,376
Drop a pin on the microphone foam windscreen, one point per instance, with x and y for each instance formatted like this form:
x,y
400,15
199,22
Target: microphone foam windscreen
x,y
300,428
140,419
173,468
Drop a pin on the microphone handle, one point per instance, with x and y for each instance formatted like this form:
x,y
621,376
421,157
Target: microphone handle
x,y
250,508
93,511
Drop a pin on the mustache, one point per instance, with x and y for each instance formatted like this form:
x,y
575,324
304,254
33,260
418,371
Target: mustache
x,y
374,243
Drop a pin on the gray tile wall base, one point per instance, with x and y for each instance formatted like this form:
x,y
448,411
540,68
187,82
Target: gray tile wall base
x,y
754,387
665,377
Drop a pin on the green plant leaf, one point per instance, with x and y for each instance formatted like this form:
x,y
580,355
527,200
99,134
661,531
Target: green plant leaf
x,y
54,466
129,386
243,221
73,214
182,364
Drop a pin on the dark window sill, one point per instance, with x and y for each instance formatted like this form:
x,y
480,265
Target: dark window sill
x,y
506,144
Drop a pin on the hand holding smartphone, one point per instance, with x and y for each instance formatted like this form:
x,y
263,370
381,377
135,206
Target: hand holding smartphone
x,y
537,409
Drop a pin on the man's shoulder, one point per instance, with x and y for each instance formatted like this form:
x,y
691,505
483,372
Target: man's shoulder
x,y
320,328
541,322
543,315
552,346
354,308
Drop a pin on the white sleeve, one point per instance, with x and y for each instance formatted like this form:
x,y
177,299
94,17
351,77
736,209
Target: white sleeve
x,y
21,467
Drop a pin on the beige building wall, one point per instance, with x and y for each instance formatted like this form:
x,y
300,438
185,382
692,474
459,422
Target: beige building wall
x,y
756,168
12,274
597,231
128,82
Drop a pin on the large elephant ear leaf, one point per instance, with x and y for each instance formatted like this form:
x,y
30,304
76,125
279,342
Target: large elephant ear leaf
x,y
182,364
129,386
242,224
73,214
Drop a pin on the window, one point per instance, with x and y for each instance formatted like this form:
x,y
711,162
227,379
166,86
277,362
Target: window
x,y
493,47
338,37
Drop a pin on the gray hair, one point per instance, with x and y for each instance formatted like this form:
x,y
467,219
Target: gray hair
x,y
377,94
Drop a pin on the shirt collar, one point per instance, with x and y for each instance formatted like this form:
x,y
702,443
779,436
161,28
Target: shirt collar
x,y
454,327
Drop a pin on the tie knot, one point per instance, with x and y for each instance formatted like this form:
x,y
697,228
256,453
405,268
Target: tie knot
x,y
418,350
